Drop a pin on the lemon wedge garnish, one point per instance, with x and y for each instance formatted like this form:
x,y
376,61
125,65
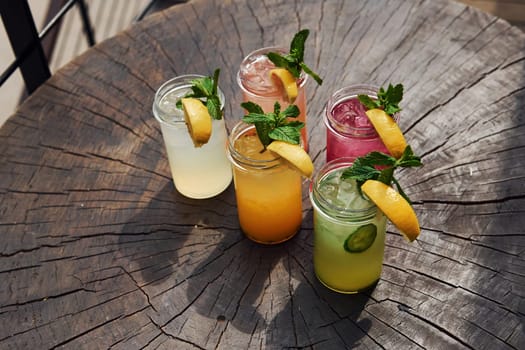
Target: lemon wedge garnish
x,y
287,81
388,130
295,155
198,120
394,206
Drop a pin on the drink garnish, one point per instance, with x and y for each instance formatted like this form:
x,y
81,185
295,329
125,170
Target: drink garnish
x,y
274,125
366,168
279,135
197,120
200,106
376,185
388,130
295,155
361,239
285,79
205,90
293,62
380,112
387,100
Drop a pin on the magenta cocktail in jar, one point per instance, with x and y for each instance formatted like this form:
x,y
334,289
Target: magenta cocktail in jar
x,y
349,133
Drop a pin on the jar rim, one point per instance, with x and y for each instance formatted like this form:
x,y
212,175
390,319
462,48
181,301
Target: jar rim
x,y
344,94
325,206
241,129
176,83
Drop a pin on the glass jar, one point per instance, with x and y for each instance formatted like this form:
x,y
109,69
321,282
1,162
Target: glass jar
x,y
349,133
258,87
197,172
349,231
268,191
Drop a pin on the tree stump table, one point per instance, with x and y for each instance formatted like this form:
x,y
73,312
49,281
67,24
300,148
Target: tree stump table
x,y
98,250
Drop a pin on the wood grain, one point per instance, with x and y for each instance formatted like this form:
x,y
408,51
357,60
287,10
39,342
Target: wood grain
x,y
98,250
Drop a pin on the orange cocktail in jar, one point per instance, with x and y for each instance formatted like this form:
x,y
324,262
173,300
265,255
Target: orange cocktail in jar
x,y
268,191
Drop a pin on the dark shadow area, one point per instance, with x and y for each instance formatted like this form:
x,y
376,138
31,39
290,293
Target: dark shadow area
x,y
264,292
272,290
153,241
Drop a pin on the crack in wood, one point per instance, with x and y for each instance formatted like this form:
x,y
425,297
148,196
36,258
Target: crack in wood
x,y
120,161
43,299
171,336
139,287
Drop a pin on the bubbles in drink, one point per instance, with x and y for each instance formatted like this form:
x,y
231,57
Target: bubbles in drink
x,y
168,105
255,74
351,113
342,193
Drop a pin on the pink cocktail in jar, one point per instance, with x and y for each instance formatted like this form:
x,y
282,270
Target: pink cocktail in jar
x,y
349,133
257,86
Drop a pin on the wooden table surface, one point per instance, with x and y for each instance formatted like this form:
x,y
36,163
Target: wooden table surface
x,y
98,250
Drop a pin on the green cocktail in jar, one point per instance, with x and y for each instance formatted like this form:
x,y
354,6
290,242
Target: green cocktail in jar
x,y
349,232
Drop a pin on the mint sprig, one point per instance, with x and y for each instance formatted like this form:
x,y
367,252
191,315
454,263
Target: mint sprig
x,y
205,89
274,125
294,61
366,168
387,100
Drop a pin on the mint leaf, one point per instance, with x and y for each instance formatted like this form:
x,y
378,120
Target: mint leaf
x,y
253,118
252,107
311,73
278,60
202,87
387,175
361,173
387,100
297,45
274,125
263,132
214,107
293,62
380,166
205,89
391,98
368,102
377,158
292,111
401,192
409,159
216,74
286,133
296,124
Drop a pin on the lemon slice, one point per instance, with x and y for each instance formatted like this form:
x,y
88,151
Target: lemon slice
x,y
295,155
198,120
388,131
394,206
287,81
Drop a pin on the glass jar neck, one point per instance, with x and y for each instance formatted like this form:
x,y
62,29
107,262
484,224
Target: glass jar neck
x,y
250,84
180,86
240,158
359,209
346,94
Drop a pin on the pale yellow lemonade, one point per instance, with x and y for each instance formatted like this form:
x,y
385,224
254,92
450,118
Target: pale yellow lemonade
x,y
268,191
197,172
347,257
257,85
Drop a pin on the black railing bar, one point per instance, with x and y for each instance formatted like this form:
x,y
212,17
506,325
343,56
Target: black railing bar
x,y
145,11
62,12
18,60
11,68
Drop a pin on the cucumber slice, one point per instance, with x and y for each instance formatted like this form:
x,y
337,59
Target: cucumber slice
x,y
361,239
